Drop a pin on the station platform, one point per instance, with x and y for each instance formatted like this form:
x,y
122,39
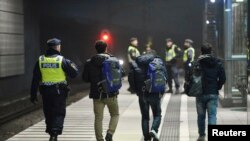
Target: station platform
x,y
178,120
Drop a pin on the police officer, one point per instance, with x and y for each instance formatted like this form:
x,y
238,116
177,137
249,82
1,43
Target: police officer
x,y
133,53
49,76
172,53
188,56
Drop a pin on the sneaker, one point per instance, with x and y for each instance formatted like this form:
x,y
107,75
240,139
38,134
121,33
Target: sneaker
x,y
154,135
201,138
170,91
109,137
53,138
177,91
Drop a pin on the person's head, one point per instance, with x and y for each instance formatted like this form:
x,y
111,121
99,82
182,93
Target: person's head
x,y
148,49
134,41
101,46
188,43
169,42
55,44
206,48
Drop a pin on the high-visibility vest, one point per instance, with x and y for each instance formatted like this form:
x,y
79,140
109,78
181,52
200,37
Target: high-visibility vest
x,y
51,69
185,55
170,54
133,49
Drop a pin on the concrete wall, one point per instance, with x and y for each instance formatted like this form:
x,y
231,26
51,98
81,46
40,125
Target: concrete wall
x,y
13,85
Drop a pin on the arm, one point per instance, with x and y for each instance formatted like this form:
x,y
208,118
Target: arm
x,y
222,76
190,55
70,68
35,83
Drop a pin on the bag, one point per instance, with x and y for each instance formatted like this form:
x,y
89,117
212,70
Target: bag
x,y
112,76
195,82
156,78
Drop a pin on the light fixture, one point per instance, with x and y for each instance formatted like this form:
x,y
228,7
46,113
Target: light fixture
x,y
212,1
207,22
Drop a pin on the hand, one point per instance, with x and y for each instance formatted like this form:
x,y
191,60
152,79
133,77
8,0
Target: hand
x,y
33,99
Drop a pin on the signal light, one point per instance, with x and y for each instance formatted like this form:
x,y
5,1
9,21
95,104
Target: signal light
x,y
105,37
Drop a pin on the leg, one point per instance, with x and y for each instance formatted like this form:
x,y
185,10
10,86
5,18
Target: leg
x,y
113,107
59,112
170,77
47,104
201,111
98,110
144,107
155,103
176,76
212,109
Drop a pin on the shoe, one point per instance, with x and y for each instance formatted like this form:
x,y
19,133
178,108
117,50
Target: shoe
x,y
131,90
177,91
154,135
170,91
183,92
109,137
53,138
201,138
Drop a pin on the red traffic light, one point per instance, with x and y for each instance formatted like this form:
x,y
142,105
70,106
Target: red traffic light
x,y
105,37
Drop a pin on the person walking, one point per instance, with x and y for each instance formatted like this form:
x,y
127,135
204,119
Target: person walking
x,y
49,75
102,93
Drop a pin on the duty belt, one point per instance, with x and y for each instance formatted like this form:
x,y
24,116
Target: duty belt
x,y
53,83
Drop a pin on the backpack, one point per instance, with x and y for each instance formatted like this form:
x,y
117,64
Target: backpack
x,y
156,78
111,75
195,82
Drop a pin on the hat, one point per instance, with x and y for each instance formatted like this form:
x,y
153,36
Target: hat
x,y
133,39
53,42
169,40
189,41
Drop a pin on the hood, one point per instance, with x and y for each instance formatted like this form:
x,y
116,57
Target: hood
x,y
98,59
51,52
208,60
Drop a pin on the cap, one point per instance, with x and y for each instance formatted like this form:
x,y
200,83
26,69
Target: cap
x,y
189,41
53,42
133,39
169,40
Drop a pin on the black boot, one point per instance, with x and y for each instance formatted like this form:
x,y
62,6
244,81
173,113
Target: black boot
x,y
170,91
53,138
109,137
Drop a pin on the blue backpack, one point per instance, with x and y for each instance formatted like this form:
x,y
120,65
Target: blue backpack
x,y
156,77
111,75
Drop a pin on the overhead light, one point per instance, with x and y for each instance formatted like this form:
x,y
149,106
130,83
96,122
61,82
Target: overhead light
x,y
239,0
212,1
207,22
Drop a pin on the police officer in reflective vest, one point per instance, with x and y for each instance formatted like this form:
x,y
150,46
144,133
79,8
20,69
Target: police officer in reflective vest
x,y
49,76
172,53
188,56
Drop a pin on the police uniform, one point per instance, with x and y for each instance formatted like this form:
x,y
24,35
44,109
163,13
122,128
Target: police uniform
x,y
171,63
49,75
188,57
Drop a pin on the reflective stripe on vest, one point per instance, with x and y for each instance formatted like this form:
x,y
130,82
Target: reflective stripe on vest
x,y
51,69
185,55
170,54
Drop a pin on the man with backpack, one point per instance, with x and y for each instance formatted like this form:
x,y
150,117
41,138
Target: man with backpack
x,y
150,82
104,73
204,82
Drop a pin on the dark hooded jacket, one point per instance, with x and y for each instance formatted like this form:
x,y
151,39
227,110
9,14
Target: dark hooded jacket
x,y
92,74
213,74
140,68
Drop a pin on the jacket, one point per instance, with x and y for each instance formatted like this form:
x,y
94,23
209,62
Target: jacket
x,y
92,74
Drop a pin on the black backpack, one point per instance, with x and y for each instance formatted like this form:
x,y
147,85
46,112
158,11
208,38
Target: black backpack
x,y
194,86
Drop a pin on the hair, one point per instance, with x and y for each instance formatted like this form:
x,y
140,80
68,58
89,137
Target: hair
x,y
100,46
133,39
206,48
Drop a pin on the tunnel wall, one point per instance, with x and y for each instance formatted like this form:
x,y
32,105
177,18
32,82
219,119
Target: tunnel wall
x,y
19,84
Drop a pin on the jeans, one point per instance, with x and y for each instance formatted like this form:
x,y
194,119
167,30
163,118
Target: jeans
x,y
99,105
209,104
145,102
173,74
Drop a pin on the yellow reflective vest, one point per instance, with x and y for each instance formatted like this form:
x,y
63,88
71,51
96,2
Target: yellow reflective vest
x,y
170,54
135,53
51,69
185,55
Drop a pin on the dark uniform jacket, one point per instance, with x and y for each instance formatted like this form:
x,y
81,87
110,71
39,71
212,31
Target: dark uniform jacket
x,y
92,73
69,68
